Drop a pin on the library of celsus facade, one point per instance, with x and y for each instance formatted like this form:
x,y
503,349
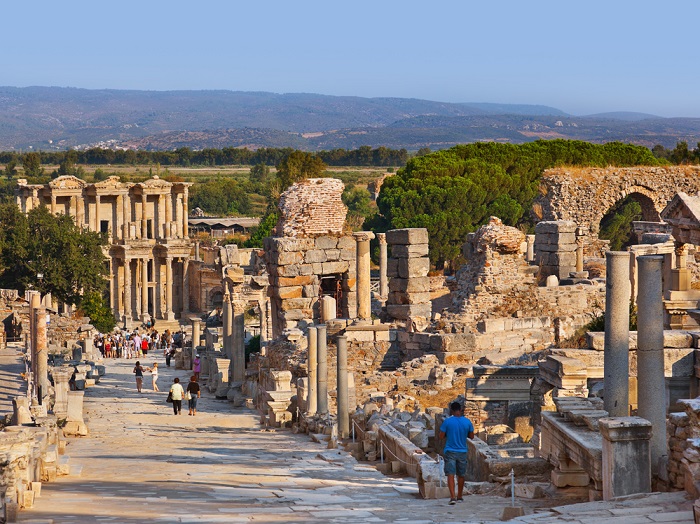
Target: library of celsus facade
x,y
146,224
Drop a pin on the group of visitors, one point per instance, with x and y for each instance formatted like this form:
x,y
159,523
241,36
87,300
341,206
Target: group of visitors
x,y
133,344
191,394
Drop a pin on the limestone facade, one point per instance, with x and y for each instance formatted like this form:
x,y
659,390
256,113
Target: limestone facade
x,y
146,223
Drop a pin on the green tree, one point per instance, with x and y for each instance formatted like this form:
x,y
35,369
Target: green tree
x,y
616,226
31,162
101,316
69,259
360,206
299,165
264,229
259,173
11,169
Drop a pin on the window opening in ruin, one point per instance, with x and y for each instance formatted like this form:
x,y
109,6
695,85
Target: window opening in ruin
x,y
104,226
217,300
332,285
149,228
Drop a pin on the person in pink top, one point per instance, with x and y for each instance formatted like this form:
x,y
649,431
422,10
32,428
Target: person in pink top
x,y
196,366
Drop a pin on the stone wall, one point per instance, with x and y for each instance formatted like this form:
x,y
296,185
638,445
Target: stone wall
x,y
312,207
585,195
296,267
496,280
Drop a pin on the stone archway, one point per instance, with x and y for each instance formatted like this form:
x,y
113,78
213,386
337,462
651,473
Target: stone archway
x,y
585,195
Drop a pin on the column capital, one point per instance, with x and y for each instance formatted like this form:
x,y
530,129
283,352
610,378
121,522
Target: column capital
x,y
363,236
382,238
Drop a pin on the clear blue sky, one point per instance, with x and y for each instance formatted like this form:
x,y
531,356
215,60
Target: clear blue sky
x,y
582,57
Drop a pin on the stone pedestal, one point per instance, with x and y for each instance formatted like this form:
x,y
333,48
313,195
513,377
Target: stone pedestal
x,y
328,308
364,298
322,380
342,373
312,403
222,365
280,398
617,317
20,411
61,376
530,254
75,425
626,456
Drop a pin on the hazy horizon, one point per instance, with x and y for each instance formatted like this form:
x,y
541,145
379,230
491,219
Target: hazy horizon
x,y
583,59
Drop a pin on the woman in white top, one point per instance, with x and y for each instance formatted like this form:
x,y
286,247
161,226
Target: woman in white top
x,y
154,376
177,395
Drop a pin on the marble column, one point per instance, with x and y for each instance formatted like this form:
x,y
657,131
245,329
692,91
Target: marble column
x,y
34,305
322,380
168,214
617,317
651,396
116,294
343,392
126,218
144,217
580,236
169,315
185,215
128,315
530,256
312,402
42,352
383,262
178,218
185,294
196,332
227,315
96,219
238,337
53,204
144,289
364,297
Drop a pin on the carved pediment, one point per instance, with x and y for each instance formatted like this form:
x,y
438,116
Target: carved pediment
x,y
112,182
67,182
155,183
683,210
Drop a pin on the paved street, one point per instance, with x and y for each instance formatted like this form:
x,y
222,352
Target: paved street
x,y
141,463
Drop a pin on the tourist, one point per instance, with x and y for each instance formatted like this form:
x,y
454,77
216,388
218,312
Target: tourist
x,y
196,366
193,393
177,393
138,370
108,348
137,344
154,376
144,345
456,429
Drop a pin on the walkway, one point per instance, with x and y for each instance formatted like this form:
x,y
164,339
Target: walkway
x,y
141,463
11,382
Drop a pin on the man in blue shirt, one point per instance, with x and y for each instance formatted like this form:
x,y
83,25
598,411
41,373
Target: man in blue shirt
x,y
457,429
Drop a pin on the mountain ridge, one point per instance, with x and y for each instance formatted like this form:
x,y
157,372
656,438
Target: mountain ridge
x,y
41,117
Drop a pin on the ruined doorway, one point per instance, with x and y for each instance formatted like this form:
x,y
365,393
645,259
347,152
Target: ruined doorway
x,y
332,285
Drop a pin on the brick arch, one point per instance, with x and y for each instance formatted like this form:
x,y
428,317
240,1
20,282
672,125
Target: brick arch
x,y
214,296
585,195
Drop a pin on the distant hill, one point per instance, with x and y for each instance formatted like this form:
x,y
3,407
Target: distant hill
x,y
59,118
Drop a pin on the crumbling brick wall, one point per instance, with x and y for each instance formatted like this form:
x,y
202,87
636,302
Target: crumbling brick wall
x,y
312,207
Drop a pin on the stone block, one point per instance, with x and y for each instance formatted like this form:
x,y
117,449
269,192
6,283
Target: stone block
x,y
296,281
392,269
289,292
329,268
547,227
510,512
27,499
410,251
407,236
315,255
287,259
414,267
410,285
401,297
326,242
403,312
347,254
333,255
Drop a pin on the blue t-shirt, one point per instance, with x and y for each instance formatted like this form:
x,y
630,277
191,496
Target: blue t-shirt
x,y
457,430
